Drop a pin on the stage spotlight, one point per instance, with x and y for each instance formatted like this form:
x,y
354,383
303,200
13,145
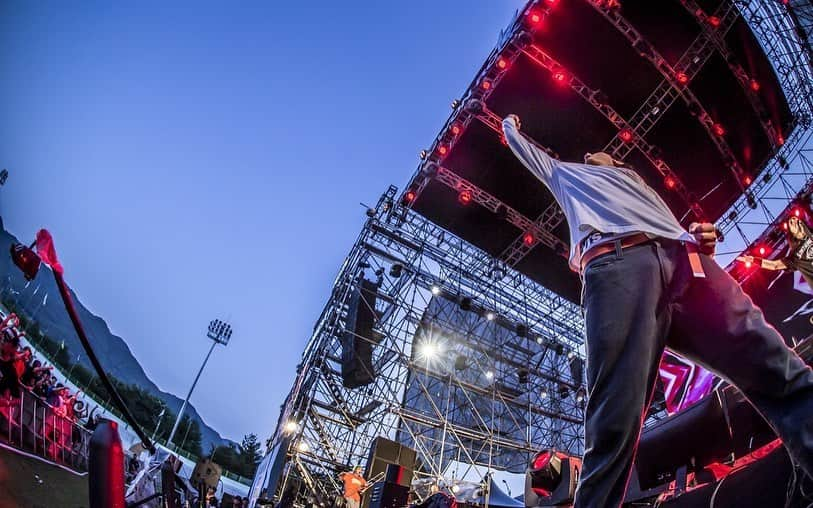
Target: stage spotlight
x,y
797,212
455,488
428,349
681,77
580,395
564,391
489,374
395,270
303,446
409,196
443,149
559,349
714,21
767,177
669,182
780,140
534,17
291,426
502,63
528,239
543,394
26,260
718,129
551,478
747,180
465,303
763,251
435,290
785,226
625,135
751,200
465,197
754,84
522,376
430,170
522,330
783,162
560,77
486,84
571,355
490,316
539,340
456,129
732,215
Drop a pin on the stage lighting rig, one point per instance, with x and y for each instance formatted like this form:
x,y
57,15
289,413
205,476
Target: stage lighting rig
x,y
551,479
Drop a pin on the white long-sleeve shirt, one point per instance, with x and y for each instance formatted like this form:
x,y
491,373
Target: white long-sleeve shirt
x,y
596,198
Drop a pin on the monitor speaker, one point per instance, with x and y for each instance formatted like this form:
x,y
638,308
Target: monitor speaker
x,y
360,337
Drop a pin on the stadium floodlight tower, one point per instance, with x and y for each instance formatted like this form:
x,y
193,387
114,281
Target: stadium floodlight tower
x,y
220,333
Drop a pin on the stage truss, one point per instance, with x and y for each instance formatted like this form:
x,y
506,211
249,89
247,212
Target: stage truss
x,y
498,386
515,391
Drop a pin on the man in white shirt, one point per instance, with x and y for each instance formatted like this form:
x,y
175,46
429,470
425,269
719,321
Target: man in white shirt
x,y
646,285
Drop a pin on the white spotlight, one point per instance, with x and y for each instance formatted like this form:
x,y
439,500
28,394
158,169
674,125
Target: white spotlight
x,y
429,349
490,316
303,447
543,394
539,340
291,426
455,488
571,355
489,374
435,290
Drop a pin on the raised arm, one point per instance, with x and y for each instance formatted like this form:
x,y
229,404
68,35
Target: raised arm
x,y
532,156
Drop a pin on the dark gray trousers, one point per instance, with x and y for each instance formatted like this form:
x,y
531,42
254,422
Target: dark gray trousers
x,y
638,301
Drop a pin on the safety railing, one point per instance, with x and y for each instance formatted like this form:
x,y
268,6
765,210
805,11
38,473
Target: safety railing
x,y
30,424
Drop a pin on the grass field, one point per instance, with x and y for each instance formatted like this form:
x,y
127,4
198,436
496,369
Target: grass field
x,y
31,483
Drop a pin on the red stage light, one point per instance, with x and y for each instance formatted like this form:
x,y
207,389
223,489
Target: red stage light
x,y
754,85
797,212
747,180
534,17
748,264
542,460
625,135
486,84
714,21
456,129
763,250
464,197
443,149
780,140
718,129
681,77
551,2
502,63
670,182
559,77
410,196
528,239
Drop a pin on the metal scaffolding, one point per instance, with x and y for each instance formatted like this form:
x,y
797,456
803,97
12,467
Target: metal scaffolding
x,y
502,380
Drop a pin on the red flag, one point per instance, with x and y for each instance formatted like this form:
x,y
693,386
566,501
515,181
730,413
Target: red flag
x,y
46,250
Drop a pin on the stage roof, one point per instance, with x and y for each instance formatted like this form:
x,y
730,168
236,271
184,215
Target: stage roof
x,y
680,90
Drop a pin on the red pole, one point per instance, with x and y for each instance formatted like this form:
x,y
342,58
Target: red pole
x,y
106,467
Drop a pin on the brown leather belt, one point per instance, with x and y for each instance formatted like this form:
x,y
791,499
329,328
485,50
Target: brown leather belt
x,y
606,248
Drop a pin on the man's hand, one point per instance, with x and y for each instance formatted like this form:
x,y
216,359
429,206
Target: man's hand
x,y
706,235
515,118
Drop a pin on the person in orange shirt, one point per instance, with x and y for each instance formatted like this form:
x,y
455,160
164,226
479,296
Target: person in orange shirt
x,y
354,486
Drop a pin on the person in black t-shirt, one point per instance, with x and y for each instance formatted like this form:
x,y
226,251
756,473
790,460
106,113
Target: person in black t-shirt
x,y
800,254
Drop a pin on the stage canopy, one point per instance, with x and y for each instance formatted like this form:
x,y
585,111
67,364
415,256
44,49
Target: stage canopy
x,y
679,89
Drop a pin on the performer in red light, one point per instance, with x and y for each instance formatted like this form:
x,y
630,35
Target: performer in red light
x,y
800,254
648,283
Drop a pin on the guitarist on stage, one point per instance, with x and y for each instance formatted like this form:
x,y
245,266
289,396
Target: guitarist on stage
x,y
354,486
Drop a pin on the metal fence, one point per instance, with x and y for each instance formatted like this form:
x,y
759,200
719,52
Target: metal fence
x,y
34,426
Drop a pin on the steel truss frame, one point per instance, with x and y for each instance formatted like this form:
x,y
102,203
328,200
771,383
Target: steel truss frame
x,y
480,415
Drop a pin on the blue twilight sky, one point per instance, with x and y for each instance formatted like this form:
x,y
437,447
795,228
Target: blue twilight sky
x,y
201,160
